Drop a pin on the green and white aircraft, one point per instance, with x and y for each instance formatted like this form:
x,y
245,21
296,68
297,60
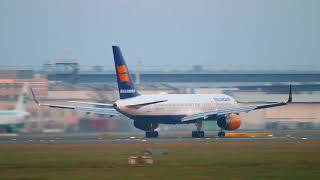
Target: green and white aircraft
x,y
11,121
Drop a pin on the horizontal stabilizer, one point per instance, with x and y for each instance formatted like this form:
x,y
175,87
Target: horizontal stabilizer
x,y
104,111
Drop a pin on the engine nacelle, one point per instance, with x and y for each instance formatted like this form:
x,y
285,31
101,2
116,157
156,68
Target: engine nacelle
x,y
230,122
145,126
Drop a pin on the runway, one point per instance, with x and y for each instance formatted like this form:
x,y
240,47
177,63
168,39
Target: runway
x,y
62,139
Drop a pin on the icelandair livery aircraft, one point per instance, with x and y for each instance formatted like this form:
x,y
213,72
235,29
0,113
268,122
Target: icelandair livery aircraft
x,y
148,111
12,120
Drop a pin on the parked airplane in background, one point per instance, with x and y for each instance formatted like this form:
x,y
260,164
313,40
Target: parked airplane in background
x,y
148,111
12,120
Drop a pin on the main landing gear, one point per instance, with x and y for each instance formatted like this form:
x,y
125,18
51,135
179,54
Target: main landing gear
x,y
148,127
152,134
198,133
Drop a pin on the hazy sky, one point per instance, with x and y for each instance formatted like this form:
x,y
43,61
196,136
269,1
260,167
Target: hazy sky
x,y
165,32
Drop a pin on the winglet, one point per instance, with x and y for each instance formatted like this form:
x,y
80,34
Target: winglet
x,y
34,97
290,94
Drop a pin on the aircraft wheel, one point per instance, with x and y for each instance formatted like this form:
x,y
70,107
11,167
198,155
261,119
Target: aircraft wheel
x,y
156,134
201,134
148,134
197,134
152,134
221,134
3,129
193,134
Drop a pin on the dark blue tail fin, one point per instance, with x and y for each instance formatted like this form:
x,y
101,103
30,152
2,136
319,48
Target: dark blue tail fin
x,y
126,86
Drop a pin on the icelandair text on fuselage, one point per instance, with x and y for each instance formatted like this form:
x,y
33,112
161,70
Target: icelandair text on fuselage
x,y
125,91
221,99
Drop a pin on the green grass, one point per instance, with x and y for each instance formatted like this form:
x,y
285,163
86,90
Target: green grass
x,y
223,159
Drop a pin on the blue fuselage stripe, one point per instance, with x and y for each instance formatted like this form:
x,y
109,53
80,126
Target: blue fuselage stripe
x,y
163,119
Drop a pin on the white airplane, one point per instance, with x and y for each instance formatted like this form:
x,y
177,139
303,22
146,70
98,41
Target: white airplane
x,y
12,120
148,111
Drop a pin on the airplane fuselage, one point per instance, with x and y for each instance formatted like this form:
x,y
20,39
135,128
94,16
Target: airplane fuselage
x,y
174,108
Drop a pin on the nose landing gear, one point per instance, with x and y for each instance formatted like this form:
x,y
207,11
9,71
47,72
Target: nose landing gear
x,y
221,134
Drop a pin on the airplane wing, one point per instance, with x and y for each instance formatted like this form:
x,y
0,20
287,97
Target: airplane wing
x,y
216,113
105,111
93,103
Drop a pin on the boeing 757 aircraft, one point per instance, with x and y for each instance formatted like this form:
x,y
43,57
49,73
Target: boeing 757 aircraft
x,y
148,111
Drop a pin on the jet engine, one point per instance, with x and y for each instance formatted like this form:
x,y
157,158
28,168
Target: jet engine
x,y
229,122
145,126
